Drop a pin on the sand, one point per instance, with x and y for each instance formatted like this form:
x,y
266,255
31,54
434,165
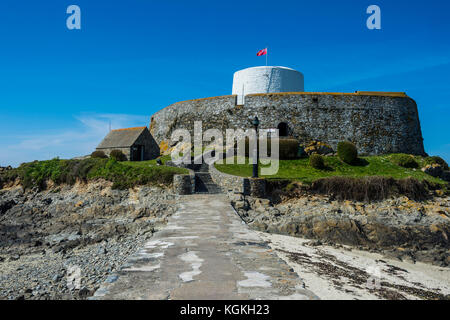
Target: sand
x,y
346,274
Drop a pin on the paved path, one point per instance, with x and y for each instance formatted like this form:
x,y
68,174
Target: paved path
x,y
205,252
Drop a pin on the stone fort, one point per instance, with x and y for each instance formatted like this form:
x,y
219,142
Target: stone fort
x,y
376,122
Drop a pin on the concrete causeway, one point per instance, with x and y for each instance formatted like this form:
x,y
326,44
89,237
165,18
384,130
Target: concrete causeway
x,y
205,252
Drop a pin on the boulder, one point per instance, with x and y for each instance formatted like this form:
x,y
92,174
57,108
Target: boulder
x,y
317,147
446,176
181,147
242,204
434,170
5,205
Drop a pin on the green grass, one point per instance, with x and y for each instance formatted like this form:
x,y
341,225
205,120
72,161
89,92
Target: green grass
x,y
146,164
122,174
300,170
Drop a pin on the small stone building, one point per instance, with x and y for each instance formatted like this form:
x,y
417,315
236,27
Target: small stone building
x,y
136,143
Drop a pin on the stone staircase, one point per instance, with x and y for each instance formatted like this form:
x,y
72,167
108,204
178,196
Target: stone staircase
x,y
203,181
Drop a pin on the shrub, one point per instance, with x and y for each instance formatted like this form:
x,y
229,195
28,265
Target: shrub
x,y
288,148
98,155
118,155
436,160
316,161
347,152
301,153
404,160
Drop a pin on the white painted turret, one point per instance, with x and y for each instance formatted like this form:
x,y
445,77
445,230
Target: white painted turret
x,y
266,79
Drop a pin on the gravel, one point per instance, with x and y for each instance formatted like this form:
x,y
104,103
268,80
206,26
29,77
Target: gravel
x,y
64,242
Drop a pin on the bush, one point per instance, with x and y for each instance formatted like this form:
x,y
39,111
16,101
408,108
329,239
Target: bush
x,y
98,155
316,161
347,152
436,160
288,148
301,153
118,155
404,160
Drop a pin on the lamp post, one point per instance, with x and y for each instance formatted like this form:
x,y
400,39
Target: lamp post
x,y
255,165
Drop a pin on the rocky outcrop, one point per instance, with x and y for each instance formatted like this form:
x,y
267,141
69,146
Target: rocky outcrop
x,y
317,147
400,226
45,235
437,171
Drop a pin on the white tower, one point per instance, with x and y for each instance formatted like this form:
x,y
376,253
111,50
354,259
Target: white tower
x,y
266,80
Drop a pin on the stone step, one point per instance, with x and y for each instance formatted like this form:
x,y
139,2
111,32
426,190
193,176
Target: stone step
x,y
205,177
203,168
204,184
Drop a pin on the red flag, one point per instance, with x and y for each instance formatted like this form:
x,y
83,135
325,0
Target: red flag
x,y
262,52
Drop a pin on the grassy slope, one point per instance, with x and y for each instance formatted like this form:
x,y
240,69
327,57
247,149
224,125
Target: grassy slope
x,y
122,174
300,170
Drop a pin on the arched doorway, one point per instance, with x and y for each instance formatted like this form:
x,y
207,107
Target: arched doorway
x,y
283,129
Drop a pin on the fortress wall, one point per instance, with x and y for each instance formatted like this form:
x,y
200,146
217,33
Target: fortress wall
x,y
377,124
183,114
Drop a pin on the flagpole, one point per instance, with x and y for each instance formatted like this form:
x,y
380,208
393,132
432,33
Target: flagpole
x,y
267,50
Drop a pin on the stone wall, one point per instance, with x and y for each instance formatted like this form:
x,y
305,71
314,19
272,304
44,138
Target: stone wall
x,y
125,151
184,184
228,182
378,123
235,184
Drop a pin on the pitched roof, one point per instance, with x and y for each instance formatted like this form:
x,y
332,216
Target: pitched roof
x,y
121,138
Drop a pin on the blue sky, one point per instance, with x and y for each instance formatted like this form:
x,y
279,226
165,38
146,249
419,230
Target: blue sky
x,y
60,88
